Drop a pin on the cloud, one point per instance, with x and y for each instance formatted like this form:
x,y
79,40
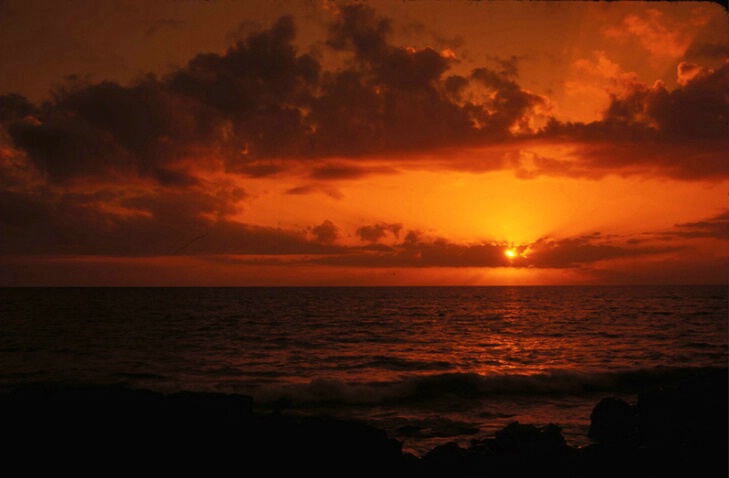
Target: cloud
x,y
530,165
337,171
417,250
509,108
327,232
257,90
650,130
107,223
509,66
161,223
262,103
598,157
584,250
652,32
15,107
263,100
375,232
235,238
717,51
93,130
113,221
313,189
145,153
716,227
696,109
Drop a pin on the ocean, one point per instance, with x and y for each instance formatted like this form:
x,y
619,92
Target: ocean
x,y
427,364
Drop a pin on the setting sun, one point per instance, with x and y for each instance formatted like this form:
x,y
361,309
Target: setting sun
x,y
401,230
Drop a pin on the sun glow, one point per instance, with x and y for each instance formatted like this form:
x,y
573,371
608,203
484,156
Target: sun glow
x,y
510,253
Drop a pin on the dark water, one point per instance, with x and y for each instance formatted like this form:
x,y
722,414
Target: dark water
x,y
428,364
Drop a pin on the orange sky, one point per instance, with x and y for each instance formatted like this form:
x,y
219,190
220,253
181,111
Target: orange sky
x,y
363,143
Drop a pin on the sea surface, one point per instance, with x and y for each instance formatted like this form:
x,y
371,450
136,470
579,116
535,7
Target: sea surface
x,y
427,364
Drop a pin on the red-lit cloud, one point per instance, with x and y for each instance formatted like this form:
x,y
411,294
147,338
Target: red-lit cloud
x,y
136,170
263,100
650,31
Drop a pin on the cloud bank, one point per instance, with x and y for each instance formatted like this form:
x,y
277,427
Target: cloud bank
x,y
142,169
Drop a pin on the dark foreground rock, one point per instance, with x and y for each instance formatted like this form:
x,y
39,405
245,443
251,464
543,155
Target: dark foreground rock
x,y
97,431
112,431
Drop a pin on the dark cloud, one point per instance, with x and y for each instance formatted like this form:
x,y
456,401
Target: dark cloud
x,y
415,31
682,133
399,99
15,107
455,85
509,66
694,268
195,206
697,109
716,227
168,177
692,160
226,237
313,189
36,234
361,30
579,251
408,69
338,171
114,222
92,130
375,232
301,190
508,104
65,148
245,104
18,210
416,250
258,89
109,222
139,118
262,104
335,171
54,224
263,101
259,169
347,116
327,232
717,51
147,225
536,165
439,253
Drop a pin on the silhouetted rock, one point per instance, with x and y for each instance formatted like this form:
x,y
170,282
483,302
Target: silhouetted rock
x,y
444,458
613,422
279,442
682,430
92,431
517,437
694,413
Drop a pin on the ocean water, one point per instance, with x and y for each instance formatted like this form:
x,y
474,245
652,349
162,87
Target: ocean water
x,y
427,364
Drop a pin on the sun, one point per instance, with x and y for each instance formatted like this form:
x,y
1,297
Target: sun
x,y
510,253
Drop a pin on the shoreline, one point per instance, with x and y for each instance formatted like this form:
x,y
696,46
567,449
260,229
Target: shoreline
x,y
100,429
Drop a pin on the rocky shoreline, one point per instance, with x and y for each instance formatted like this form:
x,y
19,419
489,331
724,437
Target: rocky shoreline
x,y
111,430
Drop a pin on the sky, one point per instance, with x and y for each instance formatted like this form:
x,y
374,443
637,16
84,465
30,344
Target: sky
x,y
323,142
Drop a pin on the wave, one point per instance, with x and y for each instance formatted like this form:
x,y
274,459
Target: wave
x,y
465,386
397,363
